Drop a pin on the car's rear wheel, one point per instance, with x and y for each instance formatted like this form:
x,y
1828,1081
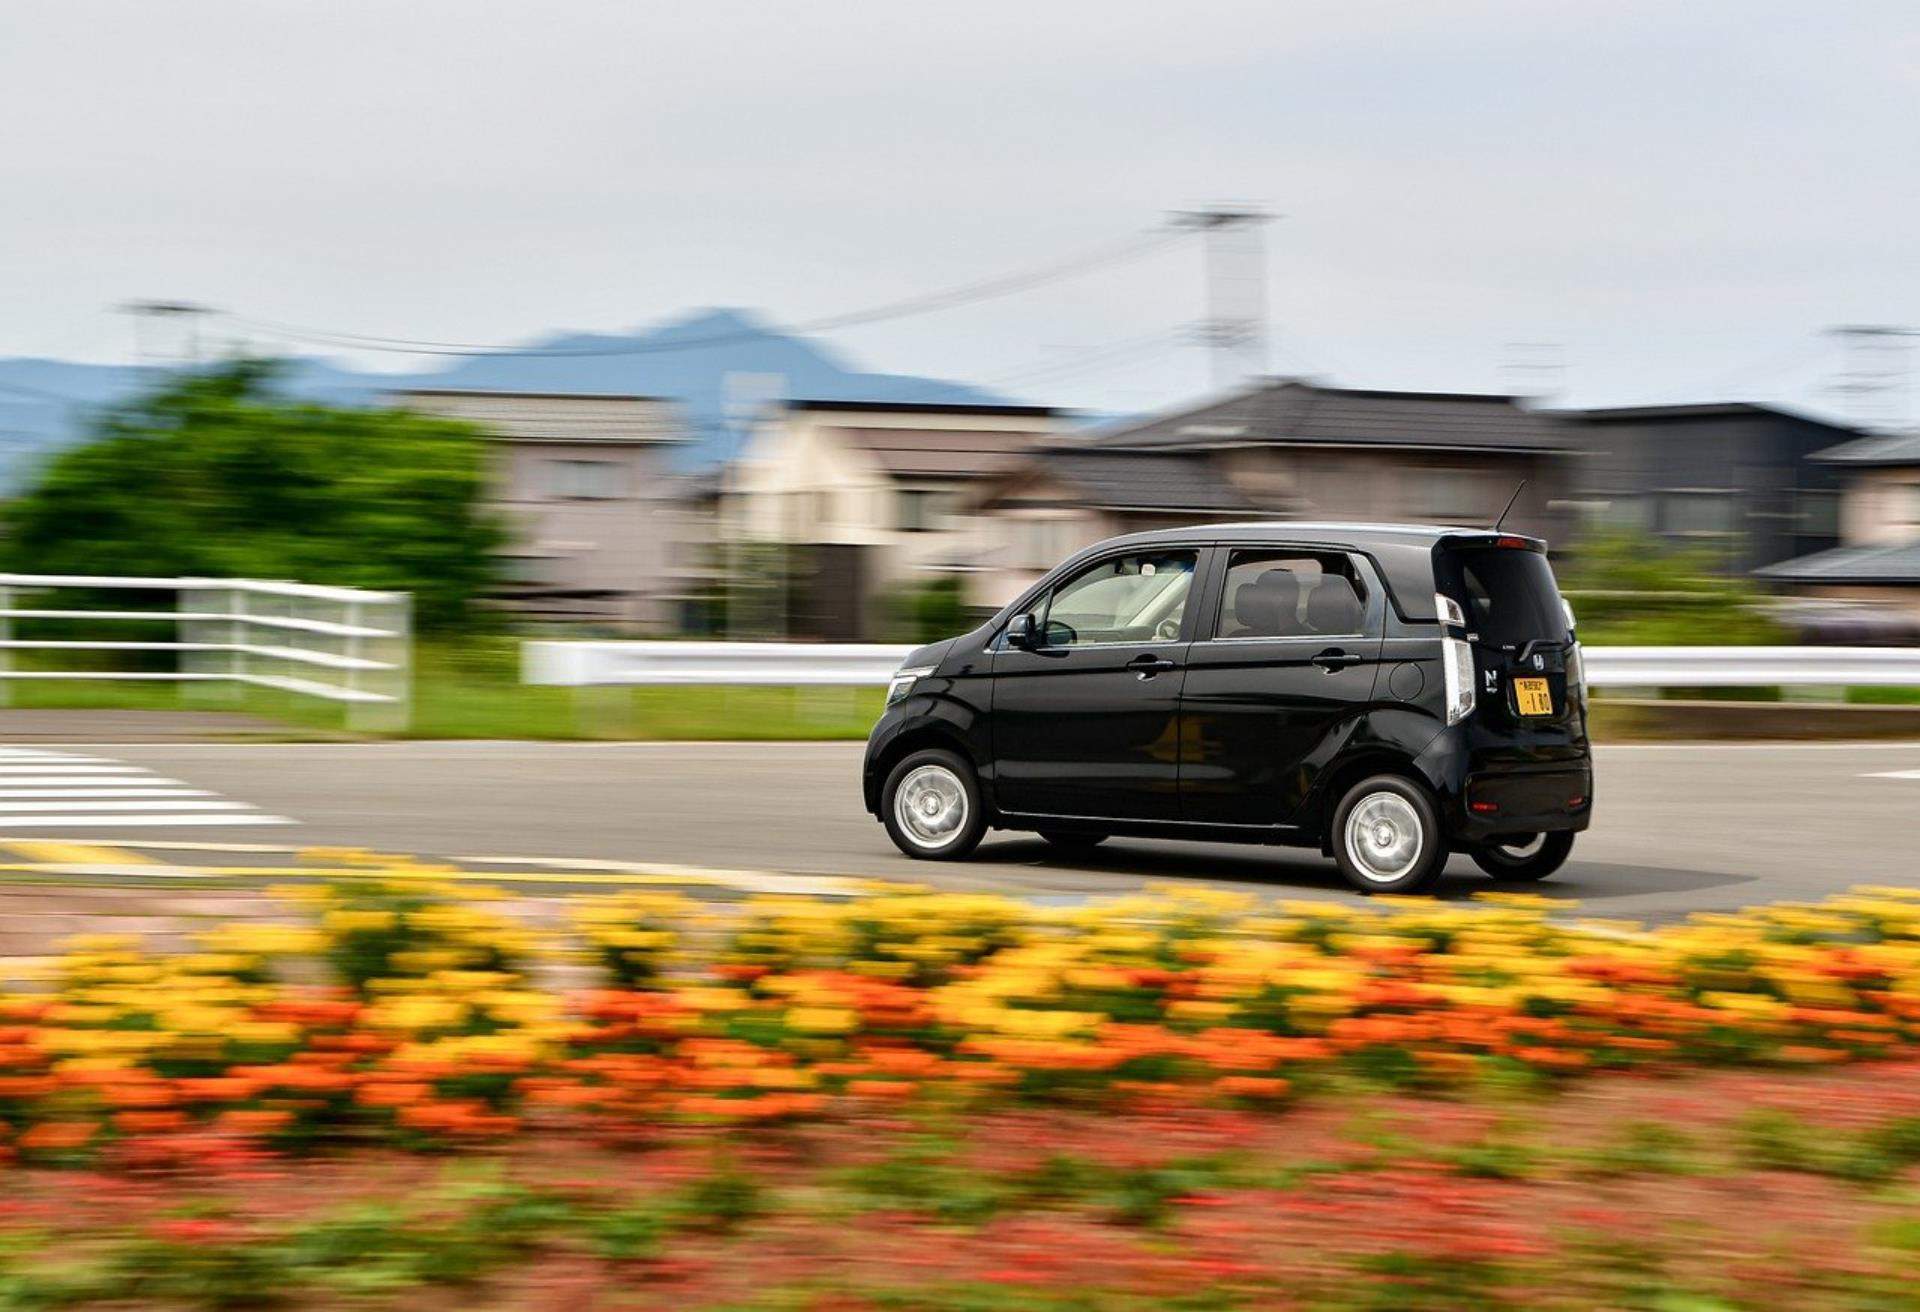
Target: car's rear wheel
x,y
1072,842
1524,856
1386,836
931,806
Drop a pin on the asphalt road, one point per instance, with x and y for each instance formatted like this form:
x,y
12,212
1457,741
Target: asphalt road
x,y
1677,828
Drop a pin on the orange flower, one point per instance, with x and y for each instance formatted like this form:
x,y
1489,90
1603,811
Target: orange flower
x,y
149,1122
1251,1086
58,1136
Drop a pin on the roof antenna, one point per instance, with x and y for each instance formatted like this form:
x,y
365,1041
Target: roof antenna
x,y
1510,500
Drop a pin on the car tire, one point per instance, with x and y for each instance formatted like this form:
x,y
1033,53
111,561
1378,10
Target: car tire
x,y
1386,836
1539,857
1072,842
931,806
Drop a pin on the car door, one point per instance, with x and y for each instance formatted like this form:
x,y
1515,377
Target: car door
x,y
1087,721
1288,658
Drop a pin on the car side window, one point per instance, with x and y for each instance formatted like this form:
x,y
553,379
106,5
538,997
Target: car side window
x,y
1288,594
1136,598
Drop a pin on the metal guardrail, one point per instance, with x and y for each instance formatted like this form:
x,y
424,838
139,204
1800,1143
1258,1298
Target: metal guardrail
x,y
590,663
345,645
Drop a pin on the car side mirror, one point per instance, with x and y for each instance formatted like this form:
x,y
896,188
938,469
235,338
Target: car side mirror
x,y
1023,633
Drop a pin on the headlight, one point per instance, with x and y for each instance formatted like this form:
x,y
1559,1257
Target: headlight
x,y
903,680
1457,659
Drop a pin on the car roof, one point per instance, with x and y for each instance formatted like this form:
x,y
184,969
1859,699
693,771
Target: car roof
x,y
1403,552
1333,533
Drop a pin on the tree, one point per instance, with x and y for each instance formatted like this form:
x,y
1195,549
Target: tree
x,y
216,475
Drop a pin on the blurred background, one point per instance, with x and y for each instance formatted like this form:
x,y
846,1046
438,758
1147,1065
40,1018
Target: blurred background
x,y
844,329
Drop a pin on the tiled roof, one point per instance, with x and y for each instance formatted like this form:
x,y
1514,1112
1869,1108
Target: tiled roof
x,y
1289,412
555,417
1145,480
1895,564
1901,450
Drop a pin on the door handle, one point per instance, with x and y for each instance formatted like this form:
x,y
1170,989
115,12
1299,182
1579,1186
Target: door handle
x,y
1333,660
1149,665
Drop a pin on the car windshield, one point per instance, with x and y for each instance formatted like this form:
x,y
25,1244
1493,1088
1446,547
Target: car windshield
x,y
1509,594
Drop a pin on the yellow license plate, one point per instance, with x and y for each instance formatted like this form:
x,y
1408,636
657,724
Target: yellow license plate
x,y
1533,696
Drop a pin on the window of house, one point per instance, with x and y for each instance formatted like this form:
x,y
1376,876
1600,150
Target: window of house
x,y
1629,513
1817,513
526,570
1450,495
1135,598
1041,543
586,480
921,509
1697,512
1283,594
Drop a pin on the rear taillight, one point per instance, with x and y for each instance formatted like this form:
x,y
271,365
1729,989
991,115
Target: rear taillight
x,y
1457,659
1449,610
1576,673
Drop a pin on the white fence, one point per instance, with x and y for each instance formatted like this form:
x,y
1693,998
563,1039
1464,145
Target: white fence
x,y
342,645
587,663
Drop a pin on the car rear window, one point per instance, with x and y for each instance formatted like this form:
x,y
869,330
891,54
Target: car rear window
x,y
1509,594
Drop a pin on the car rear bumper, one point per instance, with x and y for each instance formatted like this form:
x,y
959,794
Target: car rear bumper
x,y
1495,803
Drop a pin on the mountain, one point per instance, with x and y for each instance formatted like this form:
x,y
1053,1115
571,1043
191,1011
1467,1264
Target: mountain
x,y
715,363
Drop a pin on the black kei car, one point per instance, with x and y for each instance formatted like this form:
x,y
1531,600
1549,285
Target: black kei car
x,y
1386,693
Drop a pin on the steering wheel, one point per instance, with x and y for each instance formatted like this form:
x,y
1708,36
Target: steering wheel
x,y
1168,629
1059,633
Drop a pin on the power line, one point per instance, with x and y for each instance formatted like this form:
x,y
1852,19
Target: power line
x,y
1006,285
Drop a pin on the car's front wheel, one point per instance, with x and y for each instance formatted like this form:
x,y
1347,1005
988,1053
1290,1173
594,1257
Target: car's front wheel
x,y
931,806
1386,836
1524,856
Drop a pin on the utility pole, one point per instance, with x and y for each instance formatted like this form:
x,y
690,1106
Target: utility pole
x,y
1235,329
188,315
1875,373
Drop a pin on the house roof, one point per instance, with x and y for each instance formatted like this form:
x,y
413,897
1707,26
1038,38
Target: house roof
x,y
1143,480
1903,449
922,408
1896,564
1290,412
1699,410
554,416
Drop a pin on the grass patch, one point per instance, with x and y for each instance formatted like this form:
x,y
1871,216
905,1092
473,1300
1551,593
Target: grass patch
x,y
472,689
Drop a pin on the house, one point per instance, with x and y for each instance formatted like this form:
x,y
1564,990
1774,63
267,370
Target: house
x,y
1736,479
864,497
592,505
1877,564
1285,448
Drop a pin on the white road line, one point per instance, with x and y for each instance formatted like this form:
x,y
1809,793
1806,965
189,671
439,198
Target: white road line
x,y
41,790
67,769
154,804
1893,774
120,821
149,790
84,781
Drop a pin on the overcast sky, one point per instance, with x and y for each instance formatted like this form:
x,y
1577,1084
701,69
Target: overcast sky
x,y
1680,195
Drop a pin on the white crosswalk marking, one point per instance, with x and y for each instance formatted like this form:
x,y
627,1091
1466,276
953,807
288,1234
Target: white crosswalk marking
x,y
40,790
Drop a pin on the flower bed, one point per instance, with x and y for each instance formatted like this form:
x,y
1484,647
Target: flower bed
x,y
1720,1192
433,1028
912,1099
